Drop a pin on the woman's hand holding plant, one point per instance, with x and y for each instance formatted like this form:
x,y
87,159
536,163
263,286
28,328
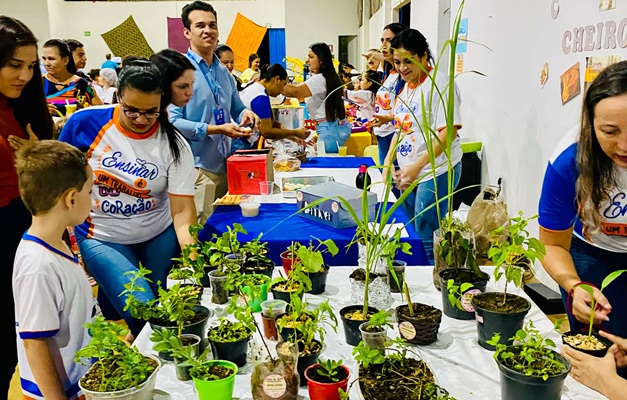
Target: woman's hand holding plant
x,y
581,305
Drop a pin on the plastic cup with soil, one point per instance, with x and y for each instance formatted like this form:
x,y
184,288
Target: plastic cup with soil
x,y
595,344
182,367
219,294
282,291
399,270
269,310
307,356
258,292
373,336
324,388
421,328
352,317
494,316
459,276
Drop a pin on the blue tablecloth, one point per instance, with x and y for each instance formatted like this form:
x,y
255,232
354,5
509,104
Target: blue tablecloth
x,y
338,162
280,227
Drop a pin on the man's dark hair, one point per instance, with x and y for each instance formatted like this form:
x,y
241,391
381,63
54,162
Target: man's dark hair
x,y
194,6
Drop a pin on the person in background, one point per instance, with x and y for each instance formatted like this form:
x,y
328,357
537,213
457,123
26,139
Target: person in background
x,y
413,61
79,57
373,59
206,120
62,86
24,117
93,75
257,98
365,96
382,122
227,58
252,72
582,203
109,63
330,114
140,214
53,297
108,80
177,74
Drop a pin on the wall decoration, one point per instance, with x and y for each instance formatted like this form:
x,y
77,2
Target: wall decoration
x,y
594,66
570,84
544,75
374,6
126,39
176,40
244,38
605,5
462,36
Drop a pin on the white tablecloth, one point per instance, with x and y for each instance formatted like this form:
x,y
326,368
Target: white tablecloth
x,y
460,365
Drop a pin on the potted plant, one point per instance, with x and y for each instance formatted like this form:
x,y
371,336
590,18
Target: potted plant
x,y
214,379
255,288
296,314
256,258
592,343
326,379
418,323
117,370
189,269
180,348
175,308
505,312
270,309
277,378
297,282
229,340
406,375
313,265
288,257
374,332
395,268
530,368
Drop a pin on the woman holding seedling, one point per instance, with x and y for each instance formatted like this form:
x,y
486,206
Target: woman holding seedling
x,y
583,219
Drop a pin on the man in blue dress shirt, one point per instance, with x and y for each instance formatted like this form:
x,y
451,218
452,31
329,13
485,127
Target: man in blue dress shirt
x,y
207,120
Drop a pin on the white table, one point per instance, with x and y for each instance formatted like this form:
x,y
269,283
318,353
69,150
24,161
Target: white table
x,y
460,365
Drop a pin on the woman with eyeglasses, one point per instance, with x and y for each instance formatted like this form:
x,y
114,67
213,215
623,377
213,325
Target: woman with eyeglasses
x,y
143,195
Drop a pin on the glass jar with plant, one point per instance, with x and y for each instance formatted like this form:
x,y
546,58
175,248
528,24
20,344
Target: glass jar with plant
x,y
277,378
326,378
505,312
116,367
530,368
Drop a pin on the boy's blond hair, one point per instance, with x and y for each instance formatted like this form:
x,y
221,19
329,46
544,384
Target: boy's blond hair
x,y
46,170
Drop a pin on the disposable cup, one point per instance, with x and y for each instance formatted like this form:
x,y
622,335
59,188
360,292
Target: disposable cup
x,y
266,187
341,150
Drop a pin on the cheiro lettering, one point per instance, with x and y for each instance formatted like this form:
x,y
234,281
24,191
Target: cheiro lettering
x,y
140,168
617,208
118,207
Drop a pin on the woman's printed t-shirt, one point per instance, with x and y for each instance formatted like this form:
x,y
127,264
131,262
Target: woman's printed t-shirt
x,y
384,103
133,176
317,85
558,206
53,300
78,91
408,122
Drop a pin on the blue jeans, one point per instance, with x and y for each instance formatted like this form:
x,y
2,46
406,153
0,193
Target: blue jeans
x,y
332,133
384,146
424,196
108,263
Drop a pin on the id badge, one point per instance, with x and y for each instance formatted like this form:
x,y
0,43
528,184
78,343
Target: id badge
x,y
218,115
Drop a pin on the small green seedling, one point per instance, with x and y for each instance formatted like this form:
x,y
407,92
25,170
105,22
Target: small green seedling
x,y
330,369
455,293
593,303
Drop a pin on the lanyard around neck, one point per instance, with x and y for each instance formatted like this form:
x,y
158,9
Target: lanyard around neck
x,y
210,76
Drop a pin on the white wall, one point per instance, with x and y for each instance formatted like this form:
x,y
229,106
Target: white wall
x,y
308,22
72,19
377,22
33,13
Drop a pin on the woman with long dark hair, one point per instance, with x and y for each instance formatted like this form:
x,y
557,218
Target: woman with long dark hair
x,y
23,117
323,96
177,74
143,195
62,86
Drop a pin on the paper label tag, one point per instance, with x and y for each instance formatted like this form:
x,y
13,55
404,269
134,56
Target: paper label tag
x,y
274,386
479,319
407,330
466,299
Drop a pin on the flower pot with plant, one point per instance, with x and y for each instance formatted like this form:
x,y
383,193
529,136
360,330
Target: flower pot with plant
x,y
288,257
591,342
189,268
312,260
418,323
117,370
180,348
269,310
295,315
296,283
256,259
254,287
374,332
214,379
530,368
505,312
326,379
229,340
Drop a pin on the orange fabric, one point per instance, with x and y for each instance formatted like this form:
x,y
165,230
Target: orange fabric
x,y
8,176
244,39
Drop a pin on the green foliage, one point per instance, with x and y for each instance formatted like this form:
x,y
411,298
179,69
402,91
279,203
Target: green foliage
x,y
167,342
455,245
190,265
455,293
202,370
507,254
254,282
329,369
532,354
297,278
256,251
314,328
593,303
311,257
125,366
365,356
381,319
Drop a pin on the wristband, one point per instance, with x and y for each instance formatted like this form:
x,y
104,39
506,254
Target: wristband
x,y
569,299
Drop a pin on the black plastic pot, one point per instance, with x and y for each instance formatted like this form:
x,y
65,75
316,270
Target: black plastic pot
x,y
305,362
285,296
319,281
399,271
199,329
236,352
266,268
596,353
490,322
463,275
287,334
517,386
351,327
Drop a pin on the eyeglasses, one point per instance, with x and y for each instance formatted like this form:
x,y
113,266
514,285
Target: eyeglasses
x,y
134,114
